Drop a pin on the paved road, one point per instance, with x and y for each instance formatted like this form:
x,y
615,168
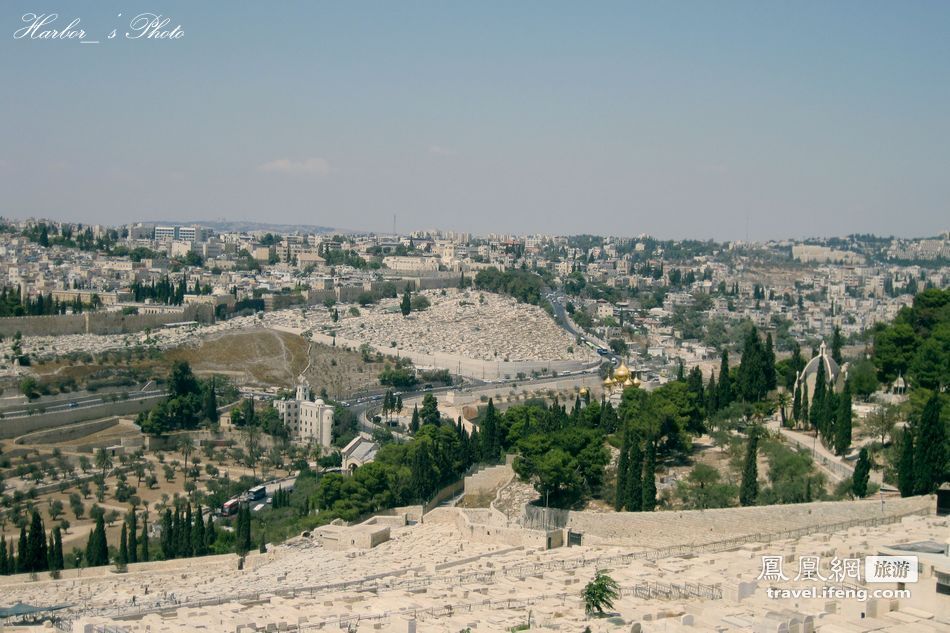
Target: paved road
x,y
81,403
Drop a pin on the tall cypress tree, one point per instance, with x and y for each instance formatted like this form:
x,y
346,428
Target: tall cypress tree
x,y
623,464
635,477
829,414
489,433
842,434
4,561
184,544
818,398
769,364
712,395
22,561
198,534
97,549
168,535
144,540
930,452
862,473
797,404
749,488
58,564
725,382
905,469
649,477
37,555
805,414
123,557
414,424
133,536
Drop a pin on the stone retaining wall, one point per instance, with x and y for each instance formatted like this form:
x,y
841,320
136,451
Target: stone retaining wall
x,y
662,529
100,322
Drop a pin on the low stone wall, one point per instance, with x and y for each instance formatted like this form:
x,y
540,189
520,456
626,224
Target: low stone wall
x,y
14,427
71,432
663,529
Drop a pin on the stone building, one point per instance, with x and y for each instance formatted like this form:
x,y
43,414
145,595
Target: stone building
x,y
308,421
834,374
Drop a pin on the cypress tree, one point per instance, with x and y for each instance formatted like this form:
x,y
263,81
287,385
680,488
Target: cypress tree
x,y
905,468
829,413
58,564
725,383
749,488
22,563
37,555
862,473
133,536
805,417
797,404
123,557
186,540
818,399
623,464
635,477
198,534
712,395
930,454
97,549
842,434
649,478
144,538
769,364
4,562
414,424
210,534
168,535
491,445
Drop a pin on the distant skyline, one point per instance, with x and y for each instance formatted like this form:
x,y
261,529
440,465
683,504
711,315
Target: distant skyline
x,y
677,119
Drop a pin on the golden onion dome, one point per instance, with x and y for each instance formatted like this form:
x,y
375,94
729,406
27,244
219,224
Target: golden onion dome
x,y
628,383
583,391
622,373
608,381
636,381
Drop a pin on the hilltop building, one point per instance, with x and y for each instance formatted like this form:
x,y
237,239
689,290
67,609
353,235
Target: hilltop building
x,y
308,421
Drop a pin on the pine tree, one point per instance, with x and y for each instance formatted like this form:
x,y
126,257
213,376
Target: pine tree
x,y
123,556
862,473
623,463
649,477
635,477
906,482
725,383
749,488
930,454
842,432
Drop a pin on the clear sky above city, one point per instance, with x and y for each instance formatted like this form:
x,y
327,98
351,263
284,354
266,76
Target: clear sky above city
x,y
678,119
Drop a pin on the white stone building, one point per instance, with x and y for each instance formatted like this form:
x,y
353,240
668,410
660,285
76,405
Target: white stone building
x,y
309,422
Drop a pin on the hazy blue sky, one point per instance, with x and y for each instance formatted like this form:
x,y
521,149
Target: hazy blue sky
x,y
680,119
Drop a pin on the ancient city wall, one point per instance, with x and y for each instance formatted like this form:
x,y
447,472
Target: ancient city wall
x,y
98,322
72,432
663,529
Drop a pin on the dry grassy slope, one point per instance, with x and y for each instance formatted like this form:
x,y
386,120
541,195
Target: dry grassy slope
x,y
269,357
